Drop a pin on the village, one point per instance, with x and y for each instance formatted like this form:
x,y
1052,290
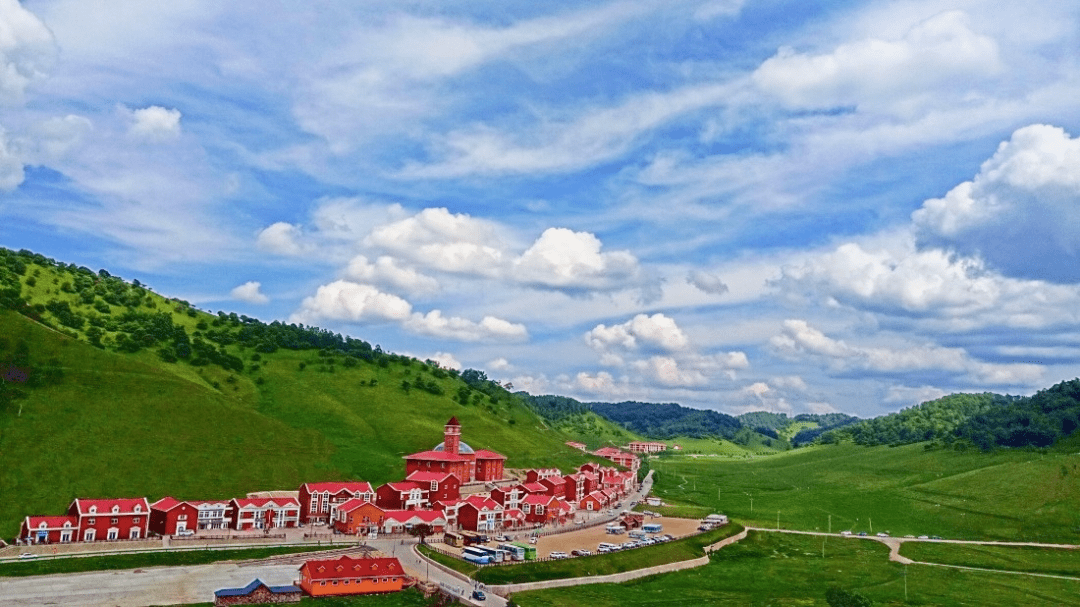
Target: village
x,y
463,497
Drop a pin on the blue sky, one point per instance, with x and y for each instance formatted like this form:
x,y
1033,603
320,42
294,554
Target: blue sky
x,y
729,204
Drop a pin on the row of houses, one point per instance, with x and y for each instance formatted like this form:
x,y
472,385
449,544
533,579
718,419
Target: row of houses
x,y
429,495
628,460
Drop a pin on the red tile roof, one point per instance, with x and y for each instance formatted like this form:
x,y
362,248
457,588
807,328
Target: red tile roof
x,y
348,567
166,503
336,486
481,502
453,421
427,477
104,506
259,502
533,488
405,486
51,522
353,504
485,454
439,456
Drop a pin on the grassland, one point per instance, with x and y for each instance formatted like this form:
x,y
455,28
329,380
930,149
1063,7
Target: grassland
x,y
780,569
1020,495
145,559
406,598
1007,558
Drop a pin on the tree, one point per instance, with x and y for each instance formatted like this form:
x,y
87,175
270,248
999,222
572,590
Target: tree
x,y
421,531
838,597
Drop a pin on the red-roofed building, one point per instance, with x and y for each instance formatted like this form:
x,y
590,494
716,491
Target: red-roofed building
x,y
513,518
545,509
554,485
402,496
455,457
317,499
533,488
441,486
508,497
400,521
534,475
357,517
169,516
213,514
593,502
576,445
628,460
49,529
575,487
348,575
111,519
265,513
480,513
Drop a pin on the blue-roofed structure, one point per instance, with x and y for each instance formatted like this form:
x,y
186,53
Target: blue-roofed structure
x,y
257,592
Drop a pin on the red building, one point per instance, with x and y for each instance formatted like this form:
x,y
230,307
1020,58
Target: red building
x,y
49,529
357,517
628,460
317,499
169,516
348,575
554,485
545,509
402,496
479,513
441,487
575,487
213,514
508,497
455,457
111,519
593,502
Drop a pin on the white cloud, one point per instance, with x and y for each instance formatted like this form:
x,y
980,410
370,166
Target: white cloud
x,y
604,384
906,396
54,138
444,241
249,292
562,258
27,50
798,338
462,329
386,271
650,332
343,300
11,166
281,238
155,123
1020,212
500,364
709,283
940,52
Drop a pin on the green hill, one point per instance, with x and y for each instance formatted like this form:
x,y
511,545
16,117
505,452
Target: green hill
x,y
110,389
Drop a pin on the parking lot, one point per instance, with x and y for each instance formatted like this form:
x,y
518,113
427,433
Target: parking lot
x,y
590,537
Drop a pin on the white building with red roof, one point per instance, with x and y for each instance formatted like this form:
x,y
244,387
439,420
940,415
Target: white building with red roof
x,y
400,521
213,514
265,513
405,495
317,499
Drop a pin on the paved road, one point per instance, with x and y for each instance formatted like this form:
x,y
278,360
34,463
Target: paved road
x,y
138,587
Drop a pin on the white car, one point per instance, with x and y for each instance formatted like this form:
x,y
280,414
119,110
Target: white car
x,y
558,555
185,532
883,535
28,555
845,533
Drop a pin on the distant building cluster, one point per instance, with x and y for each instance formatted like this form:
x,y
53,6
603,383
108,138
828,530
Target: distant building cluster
x,y
430,494
646,447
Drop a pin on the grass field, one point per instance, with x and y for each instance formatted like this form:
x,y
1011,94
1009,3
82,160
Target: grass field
x,y
1009,558
606,564
903,490
146,559
780,569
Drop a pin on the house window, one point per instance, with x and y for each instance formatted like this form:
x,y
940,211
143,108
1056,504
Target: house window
x,y
91,521
182,517
113,520
138,519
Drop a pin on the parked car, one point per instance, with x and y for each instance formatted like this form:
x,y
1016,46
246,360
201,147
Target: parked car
x,y
502,538
28,555
479,595
883,534
935,537
924,537
532,540
862,534
847,532
557,555
185,532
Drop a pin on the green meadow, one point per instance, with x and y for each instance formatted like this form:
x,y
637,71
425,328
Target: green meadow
x,y
1052,561
789,570
1005,495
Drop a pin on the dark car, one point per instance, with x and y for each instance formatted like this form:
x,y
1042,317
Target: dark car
x,y
479,595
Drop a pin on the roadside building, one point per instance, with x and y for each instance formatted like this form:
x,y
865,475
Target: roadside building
x,y
111,519
348,575
213,514
441,486
49,529
402,496
480,513
265,513
357,517
317,499
257,593
170,516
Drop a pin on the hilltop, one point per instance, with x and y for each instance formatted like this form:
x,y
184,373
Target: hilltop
x,y
110,389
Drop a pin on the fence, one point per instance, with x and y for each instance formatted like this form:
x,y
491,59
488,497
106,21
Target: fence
x,y
241,538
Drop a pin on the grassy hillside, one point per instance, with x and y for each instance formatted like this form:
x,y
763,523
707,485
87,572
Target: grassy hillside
x,y
1010,495
172,400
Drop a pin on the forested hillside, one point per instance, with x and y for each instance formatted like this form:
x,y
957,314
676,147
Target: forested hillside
x,y
108,389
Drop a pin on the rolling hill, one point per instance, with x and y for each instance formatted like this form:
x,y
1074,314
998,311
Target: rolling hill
x,y
110,390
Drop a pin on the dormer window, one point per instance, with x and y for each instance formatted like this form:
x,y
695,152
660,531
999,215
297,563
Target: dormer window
x,y
93,509
138,508
42,525
115,509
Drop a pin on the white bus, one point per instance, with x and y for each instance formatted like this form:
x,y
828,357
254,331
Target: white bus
x,y
475,555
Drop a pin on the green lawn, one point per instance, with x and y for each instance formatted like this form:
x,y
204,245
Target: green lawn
x,y
1056,561
780,569
903,490
459,565
605,564
146,559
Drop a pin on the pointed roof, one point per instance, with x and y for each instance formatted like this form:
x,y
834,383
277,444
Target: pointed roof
x,y
250,588
453,421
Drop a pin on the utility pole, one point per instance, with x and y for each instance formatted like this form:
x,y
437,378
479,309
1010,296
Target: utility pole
x,y
871,524
778,520
830,523
905,583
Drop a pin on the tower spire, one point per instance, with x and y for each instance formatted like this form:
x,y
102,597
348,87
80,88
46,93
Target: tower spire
x,y
452,436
